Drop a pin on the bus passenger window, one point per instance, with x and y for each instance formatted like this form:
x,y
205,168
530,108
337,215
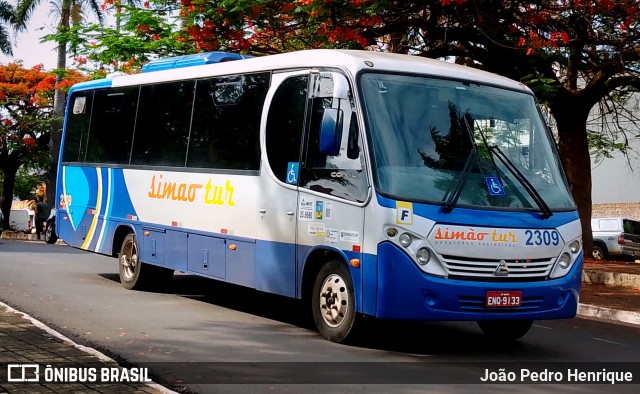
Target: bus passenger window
x,y
162,124
285,124
112,120
225,131
77,128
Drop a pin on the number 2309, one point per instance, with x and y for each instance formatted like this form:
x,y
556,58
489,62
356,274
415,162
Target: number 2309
x,y
542,237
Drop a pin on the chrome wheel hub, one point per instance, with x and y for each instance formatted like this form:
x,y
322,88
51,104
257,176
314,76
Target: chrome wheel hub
x,y
129,261
334,300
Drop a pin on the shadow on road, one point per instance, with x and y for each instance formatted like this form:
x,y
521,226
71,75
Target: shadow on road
x,y
418,339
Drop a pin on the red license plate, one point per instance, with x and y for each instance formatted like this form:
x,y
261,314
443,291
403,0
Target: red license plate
x,y
498,299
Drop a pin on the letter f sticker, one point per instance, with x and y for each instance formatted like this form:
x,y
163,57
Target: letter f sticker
x,y
404,212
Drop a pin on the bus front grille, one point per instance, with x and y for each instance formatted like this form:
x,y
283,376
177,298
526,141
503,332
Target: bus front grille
x,y
488,269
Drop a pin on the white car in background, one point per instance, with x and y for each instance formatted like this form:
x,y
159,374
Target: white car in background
x,y
22,220
615,238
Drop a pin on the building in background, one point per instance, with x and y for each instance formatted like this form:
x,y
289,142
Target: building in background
x,y
616,180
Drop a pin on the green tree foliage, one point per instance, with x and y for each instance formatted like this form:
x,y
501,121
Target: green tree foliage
x,y
7,17
140,35
28,178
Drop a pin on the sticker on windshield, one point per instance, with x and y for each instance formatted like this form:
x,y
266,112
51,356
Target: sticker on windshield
x,y
494,186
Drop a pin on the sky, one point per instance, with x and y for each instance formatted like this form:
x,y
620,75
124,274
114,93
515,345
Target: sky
x,y
27,46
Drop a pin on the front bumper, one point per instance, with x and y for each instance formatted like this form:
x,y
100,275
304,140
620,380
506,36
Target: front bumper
x,y
407,293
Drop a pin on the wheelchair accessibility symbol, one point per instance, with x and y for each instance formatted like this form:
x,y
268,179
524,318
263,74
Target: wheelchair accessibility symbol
x,y
292,172
494,186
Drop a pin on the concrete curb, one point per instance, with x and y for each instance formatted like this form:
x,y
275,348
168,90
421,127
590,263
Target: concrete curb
x,y
603,313
611,278
18,236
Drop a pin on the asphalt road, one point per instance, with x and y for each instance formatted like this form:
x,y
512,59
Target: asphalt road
x,y
265,341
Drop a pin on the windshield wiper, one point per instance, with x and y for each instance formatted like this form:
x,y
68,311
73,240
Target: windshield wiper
x,y
452,199
537,198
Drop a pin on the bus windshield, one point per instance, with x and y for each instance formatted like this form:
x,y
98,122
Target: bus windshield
x,y
461,143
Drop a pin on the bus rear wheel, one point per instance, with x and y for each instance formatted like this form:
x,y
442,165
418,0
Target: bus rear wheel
x,y
505,329
135,275
129,264
333,302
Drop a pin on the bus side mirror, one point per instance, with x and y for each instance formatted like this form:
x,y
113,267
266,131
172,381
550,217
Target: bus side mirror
x,y
331,131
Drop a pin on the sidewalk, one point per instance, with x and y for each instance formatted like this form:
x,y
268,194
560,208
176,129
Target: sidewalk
x,y
610,291
24,340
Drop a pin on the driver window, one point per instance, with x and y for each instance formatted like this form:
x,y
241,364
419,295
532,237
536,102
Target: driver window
x,y
341,175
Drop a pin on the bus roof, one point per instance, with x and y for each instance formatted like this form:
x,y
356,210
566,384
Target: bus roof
x,y
351,60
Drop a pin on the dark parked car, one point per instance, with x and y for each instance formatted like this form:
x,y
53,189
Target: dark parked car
x,y
1,223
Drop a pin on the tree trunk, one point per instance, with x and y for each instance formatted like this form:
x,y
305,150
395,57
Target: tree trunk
x,y
8,183
574,152
59,102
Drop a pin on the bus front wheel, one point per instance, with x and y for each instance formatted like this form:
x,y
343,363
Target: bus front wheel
x,y
505,329
333,303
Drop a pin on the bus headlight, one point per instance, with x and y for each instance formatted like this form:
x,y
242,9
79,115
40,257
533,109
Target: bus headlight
x,y
423,255
565,260
574,246
405,240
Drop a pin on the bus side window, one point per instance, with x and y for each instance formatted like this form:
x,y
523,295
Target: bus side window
x,y
77,127
285,124
162,124
112,120
225,130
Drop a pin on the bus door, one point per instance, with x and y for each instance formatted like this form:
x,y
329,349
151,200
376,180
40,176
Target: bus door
x,y
333,183
285,109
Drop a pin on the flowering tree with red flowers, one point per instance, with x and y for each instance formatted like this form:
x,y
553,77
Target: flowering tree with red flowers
x,y
26,102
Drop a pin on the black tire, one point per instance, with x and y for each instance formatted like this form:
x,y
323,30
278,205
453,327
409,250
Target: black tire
x,y
598,253
333,302
505,329
135,275
50,235
130,267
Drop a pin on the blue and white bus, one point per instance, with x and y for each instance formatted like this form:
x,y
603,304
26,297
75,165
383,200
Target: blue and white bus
x,y
365,184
